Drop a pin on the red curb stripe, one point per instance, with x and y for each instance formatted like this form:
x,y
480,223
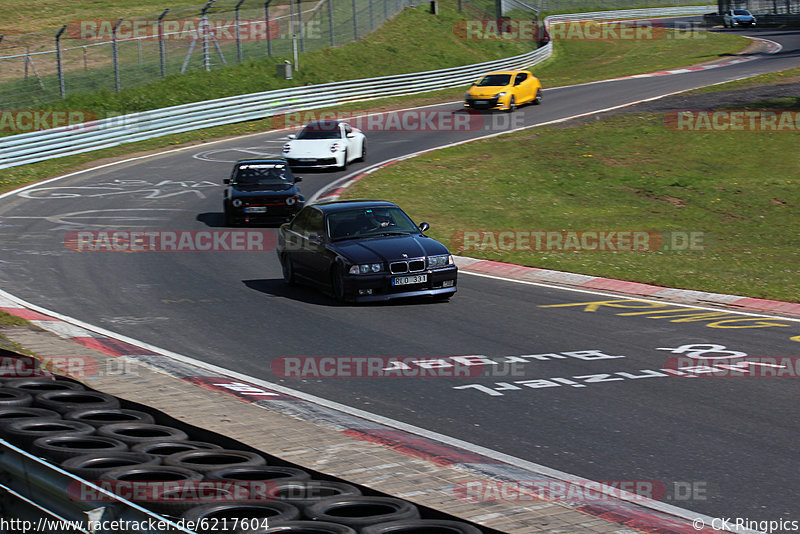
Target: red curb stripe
x,y
24,313
112,347
768,305
417,447
622,286
652,522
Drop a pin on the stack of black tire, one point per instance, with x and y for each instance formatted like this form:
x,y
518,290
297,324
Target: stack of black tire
x,y
176,473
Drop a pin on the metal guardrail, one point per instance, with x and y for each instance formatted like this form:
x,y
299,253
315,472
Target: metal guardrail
x,y
22,149
32,147
57,506
633,13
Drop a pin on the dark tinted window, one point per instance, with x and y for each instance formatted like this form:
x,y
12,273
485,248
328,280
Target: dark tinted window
x,y
320,130
262,174
495,80
314,225
365,222
300,221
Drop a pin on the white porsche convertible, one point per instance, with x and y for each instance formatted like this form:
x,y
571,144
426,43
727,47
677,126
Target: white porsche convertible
x,y
325,144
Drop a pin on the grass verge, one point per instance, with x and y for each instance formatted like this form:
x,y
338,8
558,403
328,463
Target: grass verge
x,y
579,61
627,172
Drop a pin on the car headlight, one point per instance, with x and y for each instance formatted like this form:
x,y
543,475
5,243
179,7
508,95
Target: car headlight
x,y
500,95
467,96
439,261
334,147
366,268
287,147
237,203
290,201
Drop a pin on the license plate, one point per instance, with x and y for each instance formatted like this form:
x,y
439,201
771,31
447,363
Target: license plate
x,y
256,209
307,160
479,101
406,280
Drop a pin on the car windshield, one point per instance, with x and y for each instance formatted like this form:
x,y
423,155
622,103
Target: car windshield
x,y
364,222
494,80
740,12
262,174
319,130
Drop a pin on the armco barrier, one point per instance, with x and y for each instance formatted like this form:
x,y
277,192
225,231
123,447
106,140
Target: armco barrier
x,y
38,146
26,477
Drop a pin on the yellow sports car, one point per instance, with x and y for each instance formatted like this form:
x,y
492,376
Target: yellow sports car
x,y
504,90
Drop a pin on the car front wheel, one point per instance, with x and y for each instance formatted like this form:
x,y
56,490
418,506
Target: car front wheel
x,y
337,284
288,270
512,105
538,98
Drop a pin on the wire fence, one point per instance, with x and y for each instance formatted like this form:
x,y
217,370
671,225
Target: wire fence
x,y
88,56
115,54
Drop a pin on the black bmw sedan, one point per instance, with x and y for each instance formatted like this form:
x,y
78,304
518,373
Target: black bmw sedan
x,y
261,191
364,250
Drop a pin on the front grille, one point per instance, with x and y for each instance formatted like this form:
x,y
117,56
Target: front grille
x,y
398,267
411,266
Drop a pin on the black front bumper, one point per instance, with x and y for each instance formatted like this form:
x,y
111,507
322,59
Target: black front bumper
x,y
274,214
312,162
480,103
378,287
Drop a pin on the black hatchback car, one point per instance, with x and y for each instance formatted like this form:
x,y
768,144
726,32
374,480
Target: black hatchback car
x,y
364,250
261,191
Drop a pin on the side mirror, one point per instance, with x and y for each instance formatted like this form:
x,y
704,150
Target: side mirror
x,y
226,181
291,136
297,179
315,238
423,226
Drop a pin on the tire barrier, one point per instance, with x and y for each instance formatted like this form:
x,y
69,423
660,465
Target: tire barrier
x,y
10,397
209,460
230,517
420,526
22,413
42,384
23,433
178,471
59,448
66,401
168,448
93,466
109,416
359,512
304,493
258,473
302,527
135,433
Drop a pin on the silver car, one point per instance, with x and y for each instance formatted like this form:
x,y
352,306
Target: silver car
x,y
738,17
